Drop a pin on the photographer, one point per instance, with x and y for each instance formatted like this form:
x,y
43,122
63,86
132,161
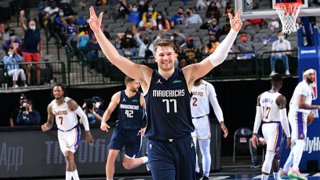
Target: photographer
x,y
11,62
27,115
92,109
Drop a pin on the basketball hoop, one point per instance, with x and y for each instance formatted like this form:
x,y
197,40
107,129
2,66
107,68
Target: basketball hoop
x,y
288,13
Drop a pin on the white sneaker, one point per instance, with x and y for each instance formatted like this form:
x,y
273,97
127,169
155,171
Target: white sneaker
x,y
25,85
15,86
287,72
272,73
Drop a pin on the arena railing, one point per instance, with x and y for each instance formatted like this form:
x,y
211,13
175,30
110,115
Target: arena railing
x,y
239,65
265,67
50,72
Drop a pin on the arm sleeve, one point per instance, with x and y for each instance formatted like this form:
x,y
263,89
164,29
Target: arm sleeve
x,y
83,118
257,121
284,121
223,49
214,103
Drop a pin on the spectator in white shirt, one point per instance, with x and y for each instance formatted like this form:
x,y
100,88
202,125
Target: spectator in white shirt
x,y
280,45
192,18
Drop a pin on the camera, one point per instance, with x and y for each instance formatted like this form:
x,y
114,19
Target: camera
x,y
24,107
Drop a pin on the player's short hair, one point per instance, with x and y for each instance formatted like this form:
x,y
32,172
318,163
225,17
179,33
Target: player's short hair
x,y
128,79
276,77
163,43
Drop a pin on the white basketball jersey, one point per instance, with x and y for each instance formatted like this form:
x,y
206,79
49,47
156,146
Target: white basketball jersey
x,y
302,89
269,107
65,119
200,100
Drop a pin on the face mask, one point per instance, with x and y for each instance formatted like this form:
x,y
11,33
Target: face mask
x,y
280,38
244,39
189,45
159,17
180,13
32,27
150,9
141,3
61,13
146,41
134,9
188,13
10,54
121,8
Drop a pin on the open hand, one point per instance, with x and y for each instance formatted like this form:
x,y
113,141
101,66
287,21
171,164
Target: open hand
x,y
104,126
235,21
94,21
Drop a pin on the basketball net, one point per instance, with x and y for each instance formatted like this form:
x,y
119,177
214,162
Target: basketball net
x,y
288,13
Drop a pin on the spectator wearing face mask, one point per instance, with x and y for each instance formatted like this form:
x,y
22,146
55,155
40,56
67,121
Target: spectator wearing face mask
x,y
146,47
245,46
178,18
128,45
212,44
280,45
192,18
122,9
213,10
134,15
163,23
31,48
150,12
11,62
214,27
190,53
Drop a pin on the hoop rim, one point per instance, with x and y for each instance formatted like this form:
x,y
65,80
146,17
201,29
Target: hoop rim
x,y
287,4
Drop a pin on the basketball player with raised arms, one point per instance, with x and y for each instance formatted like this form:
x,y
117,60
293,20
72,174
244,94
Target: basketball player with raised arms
x,y
171,152
65,111
204,94
300,106
130,126
271,112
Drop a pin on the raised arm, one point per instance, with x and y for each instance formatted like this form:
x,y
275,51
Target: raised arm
x,y
198,70
133,70
22,22
48,125
112,106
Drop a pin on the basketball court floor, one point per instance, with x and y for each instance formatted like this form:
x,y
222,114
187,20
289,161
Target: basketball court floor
x,y
213,176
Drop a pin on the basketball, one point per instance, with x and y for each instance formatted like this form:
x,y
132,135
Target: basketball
x,y
310,118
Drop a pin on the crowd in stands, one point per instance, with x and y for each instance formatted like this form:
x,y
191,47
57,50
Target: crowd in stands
x,y
196,26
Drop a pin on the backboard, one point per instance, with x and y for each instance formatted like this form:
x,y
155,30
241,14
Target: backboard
x,y
252,9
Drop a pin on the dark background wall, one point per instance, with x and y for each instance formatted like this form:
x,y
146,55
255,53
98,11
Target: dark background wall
x,y
237,100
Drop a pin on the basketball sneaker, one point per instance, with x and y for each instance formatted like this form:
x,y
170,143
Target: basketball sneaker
x,y
283,173
198,175
296,174
205,178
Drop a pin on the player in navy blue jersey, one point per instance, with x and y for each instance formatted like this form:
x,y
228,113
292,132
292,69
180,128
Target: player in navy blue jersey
x,y
171,153
129,129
